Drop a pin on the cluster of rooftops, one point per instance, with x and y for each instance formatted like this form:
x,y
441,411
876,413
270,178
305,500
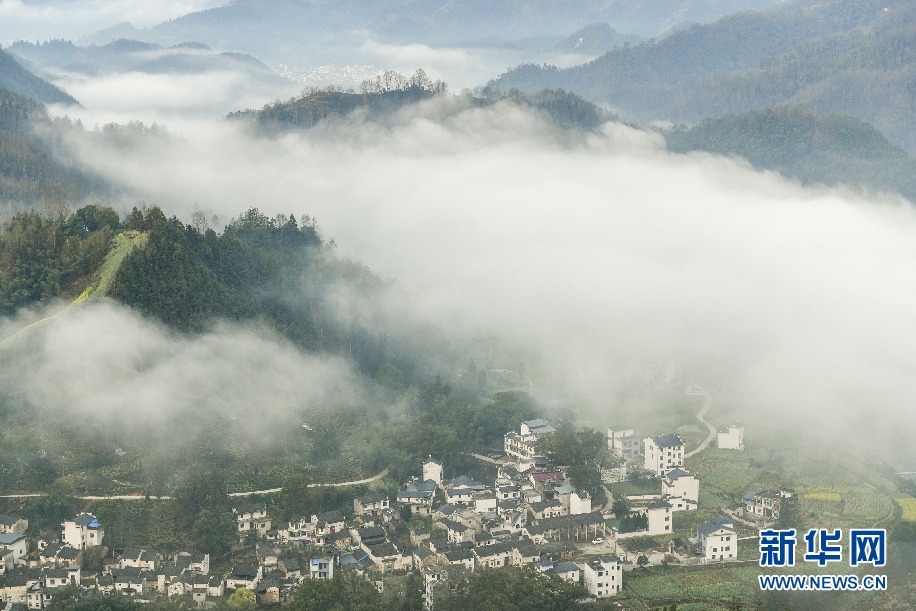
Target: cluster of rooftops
x,y
530,515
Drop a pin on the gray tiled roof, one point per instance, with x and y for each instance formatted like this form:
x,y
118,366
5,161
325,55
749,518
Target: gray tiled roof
x,y
330,516
459,555
715,524
668,441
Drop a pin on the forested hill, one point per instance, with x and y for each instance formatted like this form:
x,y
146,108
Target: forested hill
x,y
379,99
28,173
844,56
17,79
277,271
829,149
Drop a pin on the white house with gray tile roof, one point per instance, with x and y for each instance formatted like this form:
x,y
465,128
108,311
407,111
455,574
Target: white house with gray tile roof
x,y
731,437
82,531
521,445
718,539
371,504
663,453
252,517
659,514
15,543
682,489
580,502
13,524
602,576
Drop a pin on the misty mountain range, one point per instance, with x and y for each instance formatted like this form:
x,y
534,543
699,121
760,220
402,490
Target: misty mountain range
x,y
281,28
122,56
852,58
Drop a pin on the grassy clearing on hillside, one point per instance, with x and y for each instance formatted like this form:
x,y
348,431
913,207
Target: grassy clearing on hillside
x,y
124,243
732,479
622,489
908,504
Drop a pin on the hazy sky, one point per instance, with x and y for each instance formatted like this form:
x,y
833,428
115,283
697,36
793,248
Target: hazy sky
x,y
71,19
609,253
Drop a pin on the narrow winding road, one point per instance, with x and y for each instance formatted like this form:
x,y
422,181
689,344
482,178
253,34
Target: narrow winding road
x,y
137,497
707,403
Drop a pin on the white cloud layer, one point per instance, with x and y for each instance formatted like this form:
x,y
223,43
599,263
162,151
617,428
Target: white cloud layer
x,y
121,97
104,364
462,67
610,253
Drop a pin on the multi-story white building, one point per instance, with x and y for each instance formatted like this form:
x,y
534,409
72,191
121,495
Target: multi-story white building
x,y
718,539
439,581
321,567
765,504
681,489
659,513
82,531
579,502
432,470
521,445
252,518
15,543
731,438
371,504
664,453
602,576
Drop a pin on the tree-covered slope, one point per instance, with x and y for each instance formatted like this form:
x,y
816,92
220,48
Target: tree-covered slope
x,y
15,78
829,149
28,172
869,73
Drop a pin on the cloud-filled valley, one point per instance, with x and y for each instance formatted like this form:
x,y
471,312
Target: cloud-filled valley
x,y
605,250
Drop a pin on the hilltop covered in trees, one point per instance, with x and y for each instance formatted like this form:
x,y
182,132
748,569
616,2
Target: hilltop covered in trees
x,y
282,275
392,91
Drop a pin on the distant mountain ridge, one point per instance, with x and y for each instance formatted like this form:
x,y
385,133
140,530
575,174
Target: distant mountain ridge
x,y
853,58
279,29
138,56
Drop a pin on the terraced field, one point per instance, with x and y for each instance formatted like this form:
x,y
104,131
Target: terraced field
x,y
638,545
